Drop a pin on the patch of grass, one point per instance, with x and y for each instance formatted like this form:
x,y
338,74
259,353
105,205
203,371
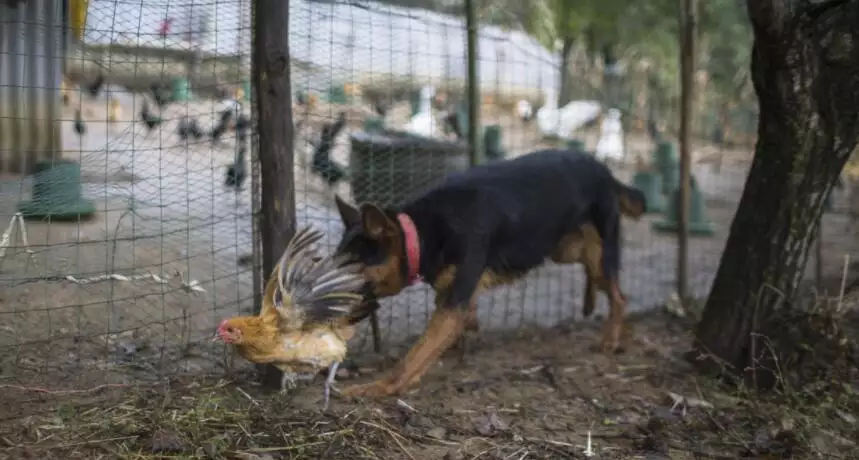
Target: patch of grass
x,y
192,420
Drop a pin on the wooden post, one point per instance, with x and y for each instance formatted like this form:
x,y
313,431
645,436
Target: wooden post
x,y
273,102
688,30
474,102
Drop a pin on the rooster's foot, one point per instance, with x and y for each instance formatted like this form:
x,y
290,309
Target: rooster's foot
x,y
329,385
287,382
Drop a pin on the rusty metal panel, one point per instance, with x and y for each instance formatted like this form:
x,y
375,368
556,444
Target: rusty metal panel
x,y
31,60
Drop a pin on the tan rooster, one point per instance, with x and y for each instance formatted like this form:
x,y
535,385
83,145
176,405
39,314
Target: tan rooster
x,y
306,316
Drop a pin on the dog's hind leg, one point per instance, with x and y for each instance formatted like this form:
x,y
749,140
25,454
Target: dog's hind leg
x,y
607,223
583,246
592,259
589,301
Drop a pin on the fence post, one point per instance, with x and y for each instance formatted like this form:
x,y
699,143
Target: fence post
x,y
273,103
474,103
688,28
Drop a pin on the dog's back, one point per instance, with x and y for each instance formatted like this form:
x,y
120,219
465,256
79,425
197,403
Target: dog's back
x,y
521,209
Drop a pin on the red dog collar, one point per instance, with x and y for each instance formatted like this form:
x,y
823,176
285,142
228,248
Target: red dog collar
x,y
413,246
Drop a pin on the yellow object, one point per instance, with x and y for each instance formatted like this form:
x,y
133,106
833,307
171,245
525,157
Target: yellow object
x,y
239,94
487,99
64,92
311,101
77,19
351,89
114,110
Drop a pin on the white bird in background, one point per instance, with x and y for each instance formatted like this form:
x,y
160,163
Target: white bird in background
x,y
577,114
548,114
524,110
423,123
610,144
564,121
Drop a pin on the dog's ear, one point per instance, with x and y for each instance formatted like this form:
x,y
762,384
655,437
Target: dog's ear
x,y
376,223
348,213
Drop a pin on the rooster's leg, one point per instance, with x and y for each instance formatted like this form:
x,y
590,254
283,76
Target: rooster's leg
x,y
329,384
287,382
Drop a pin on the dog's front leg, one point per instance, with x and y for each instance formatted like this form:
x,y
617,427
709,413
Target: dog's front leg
x,y
446,325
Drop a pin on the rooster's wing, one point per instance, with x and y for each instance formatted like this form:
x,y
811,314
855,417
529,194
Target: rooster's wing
x,y
311,289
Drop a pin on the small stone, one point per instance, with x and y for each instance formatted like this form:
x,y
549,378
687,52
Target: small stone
x,y
490,424
847,417
343,373
437,433
453,455
166,442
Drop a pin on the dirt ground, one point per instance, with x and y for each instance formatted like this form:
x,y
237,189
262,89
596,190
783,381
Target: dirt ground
x,y
536,395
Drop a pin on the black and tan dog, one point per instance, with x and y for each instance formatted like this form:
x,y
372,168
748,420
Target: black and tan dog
x,y
489,226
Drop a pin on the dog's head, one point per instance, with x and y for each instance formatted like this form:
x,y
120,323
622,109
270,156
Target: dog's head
x,y
373,237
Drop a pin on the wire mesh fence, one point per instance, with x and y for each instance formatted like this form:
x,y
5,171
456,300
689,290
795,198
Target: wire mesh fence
x,y
156,258
140,285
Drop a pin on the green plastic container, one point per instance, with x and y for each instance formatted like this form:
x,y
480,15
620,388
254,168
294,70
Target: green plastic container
x,y
699,222
246,86
181,90
650,185
57,193
492,143
667,164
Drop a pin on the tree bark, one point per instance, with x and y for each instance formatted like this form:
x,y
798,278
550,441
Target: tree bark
x,y
273,98
805,70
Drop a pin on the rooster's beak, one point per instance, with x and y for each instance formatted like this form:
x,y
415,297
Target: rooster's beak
x,y
216,337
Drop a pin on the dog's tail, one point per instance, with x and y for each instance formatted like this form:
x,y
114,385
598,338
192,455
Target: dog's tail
x,y
633,203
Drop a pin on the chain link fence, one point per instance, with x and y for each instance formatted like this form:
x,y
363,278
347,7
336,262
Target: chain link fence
x,y
139,285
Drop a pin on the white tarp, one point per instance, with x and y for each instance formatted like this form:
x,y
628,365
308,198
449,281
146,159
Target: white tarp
x,y
344,39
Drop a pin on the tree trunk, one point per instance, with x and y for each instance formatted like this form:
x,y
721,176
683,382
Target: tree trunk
x,y
805,70
565,94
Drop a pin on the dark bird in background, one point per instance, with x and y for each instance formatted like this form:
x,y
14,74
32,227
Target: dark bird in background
x,y
379,106
95,87
653,130
242,136
237,172
188,127
451,124
222,126
323,165
80,126
243,123
161,94
64,90
148,117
